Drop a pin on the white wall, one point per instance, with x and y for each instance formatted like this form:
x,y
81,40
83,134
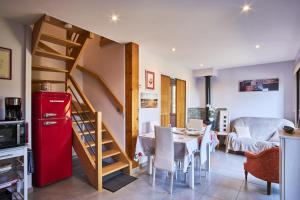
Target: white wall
x,y
12,36
278,104
156,64
109,63
17,37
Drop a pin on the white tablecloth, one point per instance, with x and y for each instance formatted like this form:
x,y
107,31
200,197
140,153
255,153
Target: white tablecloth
x,y
184,147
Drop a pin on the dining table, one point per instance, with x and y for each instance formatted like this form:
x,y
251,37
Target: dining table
x,y
186,144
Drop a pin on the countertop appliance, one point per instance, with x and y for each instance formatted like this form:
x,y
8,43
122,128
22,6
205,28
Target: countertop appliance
x,y
51,137
13,109
12,134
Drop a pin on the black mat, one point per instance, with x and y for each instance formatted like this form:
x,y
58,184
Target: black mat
x,y
117,181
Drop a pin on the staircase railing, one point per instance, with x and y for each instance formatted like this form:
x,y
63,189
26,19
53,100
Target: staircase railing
x,y
83,121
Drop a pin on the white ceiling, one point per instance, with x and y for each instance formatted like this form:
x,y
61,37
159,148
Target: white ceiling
x,y
212,32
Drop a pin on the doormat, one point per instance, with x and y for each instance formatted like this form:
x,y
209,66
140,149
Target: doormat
x,y
117,181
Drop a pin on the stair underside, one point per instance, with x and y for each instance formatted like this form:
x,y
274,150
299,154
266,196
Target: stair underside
x,y
50,81
56,56
49,69
59,41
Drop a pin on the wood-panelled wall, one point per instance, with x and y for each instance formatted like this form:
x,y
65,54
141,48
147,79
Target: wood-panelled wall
x,y
132,98
165,100
180,103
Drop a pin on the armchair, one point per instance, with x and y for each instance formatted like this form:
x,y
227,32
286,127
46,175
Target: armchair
x,y
264,165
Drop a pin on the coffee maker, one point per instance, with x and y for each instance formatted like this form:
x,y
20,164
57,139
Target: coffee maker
x,y
13,109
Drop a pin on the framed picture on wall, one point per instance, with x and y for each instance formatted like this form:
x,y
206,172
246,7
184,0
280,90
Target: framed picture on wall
x,y
150,80
259,85
5,63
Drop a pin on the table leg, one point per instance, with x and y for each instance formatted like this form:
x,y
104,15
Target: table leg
x,y
208,158
192,173
150,164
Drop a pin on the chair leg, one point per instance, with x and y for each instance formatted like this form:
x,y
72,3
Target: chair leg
x,y
172,180
200,174
246,175
269,184
154,172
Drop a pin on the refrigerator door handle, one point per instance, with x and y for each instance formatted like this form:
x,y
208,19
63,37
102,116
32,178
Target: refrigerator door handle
x,y
49,115
49,123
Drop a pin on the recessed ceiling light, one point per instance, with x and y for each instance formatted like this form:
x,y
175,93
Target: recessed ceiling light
x,y
114,18
201,65
246,8
257,46
173,49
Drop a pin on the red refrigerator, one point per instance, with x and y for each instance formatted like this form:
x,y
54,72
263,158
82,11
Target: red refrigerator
x,y
51,137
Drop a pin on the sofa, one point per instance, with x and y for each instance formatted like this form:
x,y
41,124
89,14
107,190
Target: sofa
x,y
264,133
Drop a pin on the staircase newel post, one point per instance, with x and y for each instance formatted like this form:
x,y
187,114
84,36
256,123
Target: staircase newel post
x,y
99,149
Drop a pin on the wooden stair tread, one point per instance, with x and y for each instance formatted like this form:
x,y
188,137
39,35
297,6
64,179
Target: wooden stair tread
x,y
87,132
59,41
107,140
46,54
84,121
49,69
91,132
110,153
92,143
80,111
50,81
89,144
113,167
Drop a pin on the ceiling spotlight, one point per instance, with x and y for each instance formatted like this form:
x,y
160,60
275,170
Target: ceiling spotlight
x,y
257,46
246,8
114,18
201,65
173,49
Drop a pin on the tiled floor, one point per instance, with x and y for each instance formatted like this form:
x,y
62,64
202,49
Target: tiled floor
x,y
225,182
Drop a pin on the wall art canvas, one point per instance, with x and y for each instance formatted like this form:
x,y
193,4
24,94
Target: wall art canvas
x,y
260,85
150,80
5,63
149,100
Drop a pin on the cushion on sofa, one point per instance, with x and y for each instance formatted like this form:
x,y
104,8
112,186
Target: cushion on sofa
x,y
242,131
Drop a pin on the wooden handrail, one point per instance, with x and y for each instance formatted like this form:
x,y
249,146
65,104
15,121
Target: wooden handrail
x,y
82,95
114,99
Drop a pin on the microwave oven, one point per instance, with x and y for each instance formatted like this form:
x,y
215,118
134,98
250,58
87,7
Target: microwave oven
x,y
12,134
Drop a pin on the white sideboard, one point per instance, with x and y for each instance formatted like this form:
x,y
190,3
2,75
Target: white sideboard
x,y
290,166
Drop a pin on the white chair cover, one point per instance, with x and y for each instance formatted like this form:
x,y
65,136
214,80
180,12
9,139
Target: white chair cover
x,y
205,141
164,149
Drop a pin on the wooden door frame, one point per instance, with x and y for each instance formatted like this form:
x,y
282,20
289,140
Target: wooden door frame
x,y
184,100
161,75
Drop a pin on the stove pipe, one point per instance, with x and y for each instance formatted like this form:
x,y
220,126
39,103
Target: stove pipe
x,y
207,96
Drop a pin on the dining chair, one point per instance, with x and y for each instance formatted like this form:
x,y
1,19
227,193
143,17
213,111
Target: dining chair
x,y
164,153
195,124
201,156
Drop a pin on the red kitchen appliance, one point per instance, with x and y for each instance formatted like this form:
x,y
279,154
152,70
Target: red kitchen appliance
x,y
51,137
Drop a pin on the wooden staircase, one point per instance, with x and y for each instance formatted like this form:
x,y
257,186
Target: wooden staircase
x,y
96,148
